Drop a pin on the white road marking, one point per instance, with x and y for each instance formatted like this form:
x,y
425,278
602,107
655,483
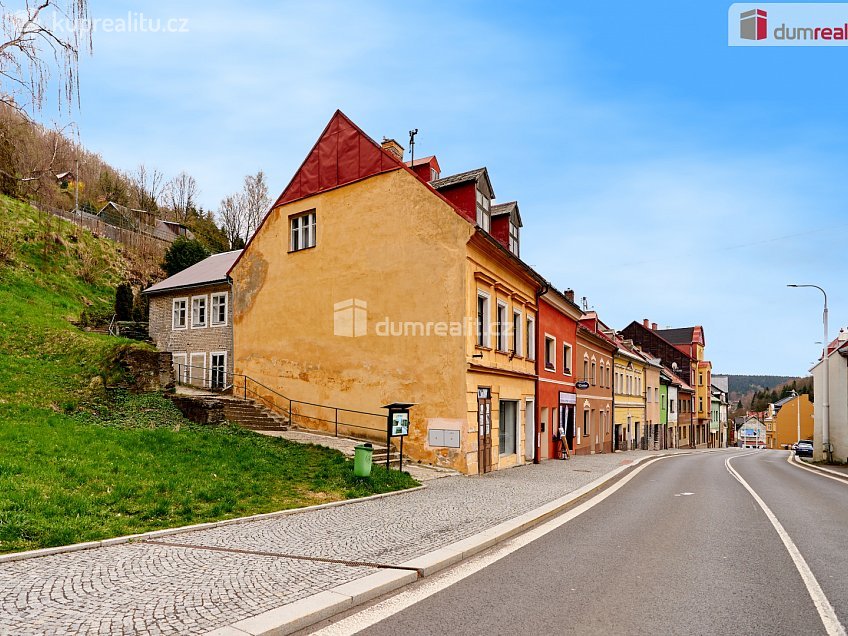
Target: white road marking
x,y
372,615
813,470
825,609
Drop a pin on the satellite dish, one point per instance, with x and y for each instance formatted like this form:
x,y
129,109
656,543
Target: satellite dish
x,y
674,366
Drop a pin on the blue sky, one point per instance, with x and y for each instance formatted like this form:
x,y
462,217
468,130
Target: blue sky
x,y
659,172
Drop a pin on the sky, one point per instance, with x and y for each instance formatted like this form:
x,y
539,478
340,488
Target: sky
x,y
660,173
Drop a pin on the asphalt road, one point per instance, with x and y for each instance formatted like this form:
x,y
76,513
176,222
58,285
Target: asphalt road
x,y
682,548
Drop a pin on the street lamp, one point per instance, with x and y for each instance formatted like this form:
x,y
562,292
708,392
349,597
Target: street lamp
x,y
798,412
826,396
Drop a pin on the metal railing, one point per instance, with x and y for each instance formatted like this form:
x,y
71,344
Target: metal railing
x,y
322,417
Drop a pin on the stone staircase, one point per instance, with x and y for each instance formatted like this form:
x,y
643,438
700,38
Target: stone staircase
x,y
379,456
252,415
203,407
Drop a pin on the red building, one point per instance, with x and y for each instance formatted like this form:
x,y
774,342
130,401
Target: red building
x,y
555,392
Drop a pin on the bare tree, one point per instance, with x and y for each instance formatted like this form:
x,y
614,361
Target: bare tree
x,y
28,41
233,219
256,201
146,187
181,196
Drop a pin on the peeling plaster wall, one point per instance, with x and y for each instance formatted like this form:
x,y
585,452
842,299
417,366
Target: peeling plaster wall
x,y
387,241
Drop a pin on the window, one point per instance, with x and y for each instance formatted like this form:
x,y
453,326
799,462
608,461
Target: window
x,y
629,385
656,394
566,359
482,319
502,326
219,309
593,373
701,380
218,370
513,238
198,312
586,423
178,319
607,376
303,231
700,405
671,405
517,346
434,174
585,370
550,353
531,339
507,426
484,213
180,363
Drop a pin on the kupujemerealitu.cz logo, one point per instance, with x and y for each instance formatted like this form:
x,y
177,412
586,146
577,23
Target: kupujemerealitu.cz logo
x,y
131,22
787,24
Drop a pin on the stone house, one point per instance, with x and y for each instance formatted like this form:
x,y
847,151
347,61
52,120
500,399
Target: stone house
x,y
191,317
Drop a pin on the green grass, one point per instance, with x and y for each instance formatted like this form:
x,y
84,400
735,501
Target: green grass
x,y
79,462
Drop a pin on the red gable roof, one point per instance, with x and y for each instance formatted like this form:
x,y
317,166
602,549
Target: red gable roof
x,y
342,154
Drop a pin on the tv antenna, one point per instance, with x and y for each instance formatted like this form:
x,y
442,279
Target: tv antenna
x,y
412,134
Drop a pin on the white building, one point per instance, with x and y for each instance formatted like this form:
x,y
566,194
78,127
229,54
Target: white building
x,y
837,361
752,433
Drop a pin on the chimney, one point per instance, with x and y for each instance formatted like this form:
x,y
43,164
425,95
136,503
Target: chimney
x,y
645,323
393,147
653,326
569,295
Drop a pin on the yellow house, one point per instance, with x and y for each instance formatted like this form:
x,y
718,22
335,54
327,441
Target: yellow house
x,y
372,281
785,417
628,395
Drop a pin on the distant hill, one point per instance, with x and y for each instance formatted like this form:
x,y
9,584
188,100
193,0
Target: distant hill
x,y
742,384
763,389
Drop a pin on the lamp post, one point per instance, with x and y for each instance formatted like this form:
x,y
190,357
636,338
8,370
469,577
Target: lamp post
x,y
798,412
826,396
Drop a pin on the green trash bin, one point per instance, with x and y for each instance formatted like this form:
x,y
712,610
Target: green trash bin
x,y
362,460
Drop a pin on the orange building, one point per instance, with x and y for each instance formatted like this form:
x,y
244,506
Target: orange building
x,y
785,417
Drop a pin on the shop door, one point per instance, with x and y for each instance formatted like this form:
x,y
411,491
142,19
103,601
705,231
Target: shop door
x,y
484,430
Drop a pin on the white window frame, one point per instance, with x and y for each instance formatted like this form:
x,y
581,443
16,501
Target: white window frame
x,y
517,341
212,313
302,231
186,308
567,359
501,339
513,238
184,362
486,325
212,354
484,211
531,338
205,323
553,361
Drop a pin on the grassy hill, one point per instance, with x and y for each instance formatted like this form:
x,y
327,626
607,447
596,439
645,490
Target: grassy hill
x,y
80,461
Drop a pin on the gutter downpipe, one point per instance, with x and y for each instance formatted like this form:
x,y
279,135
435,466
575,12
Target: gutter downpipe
x,y
537,424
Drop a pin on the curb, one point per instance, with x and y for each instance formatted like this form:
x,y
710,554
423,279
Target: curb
x,y
154,534
801,462
298,615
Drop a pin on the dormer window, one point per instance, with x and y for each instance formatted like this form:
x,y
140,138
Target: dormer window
x,y
484,213
434,174
513,238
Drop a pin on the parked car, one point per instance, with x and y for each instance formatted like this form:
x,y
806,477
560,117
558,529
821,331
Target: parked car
x,y
804,448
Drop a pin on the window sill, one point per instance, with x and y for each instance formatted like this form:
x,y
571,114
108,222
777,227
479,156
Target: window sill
x,y
482,348
302,249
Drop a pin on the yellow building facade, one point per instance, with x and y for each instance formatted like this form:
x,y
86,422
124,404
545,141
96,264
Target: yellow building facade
x,y
628,397
380,300
782,426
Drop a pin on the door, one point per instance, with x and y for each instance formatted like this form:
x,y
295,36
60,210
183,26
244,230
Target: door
x,y
566,421
529,429
484,430
546,434
218,370
197,370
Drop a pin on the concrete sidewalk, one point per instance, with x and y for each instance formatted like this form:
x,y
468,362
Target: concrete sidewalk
x,y
247,577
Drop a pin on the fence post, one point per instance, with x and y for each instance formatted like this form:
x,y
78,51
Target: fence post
x,y
245,387
337,422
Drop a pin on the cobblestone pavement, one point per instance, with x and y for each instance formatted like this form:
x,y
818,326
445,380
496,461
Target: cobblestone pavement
x,y
145,588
